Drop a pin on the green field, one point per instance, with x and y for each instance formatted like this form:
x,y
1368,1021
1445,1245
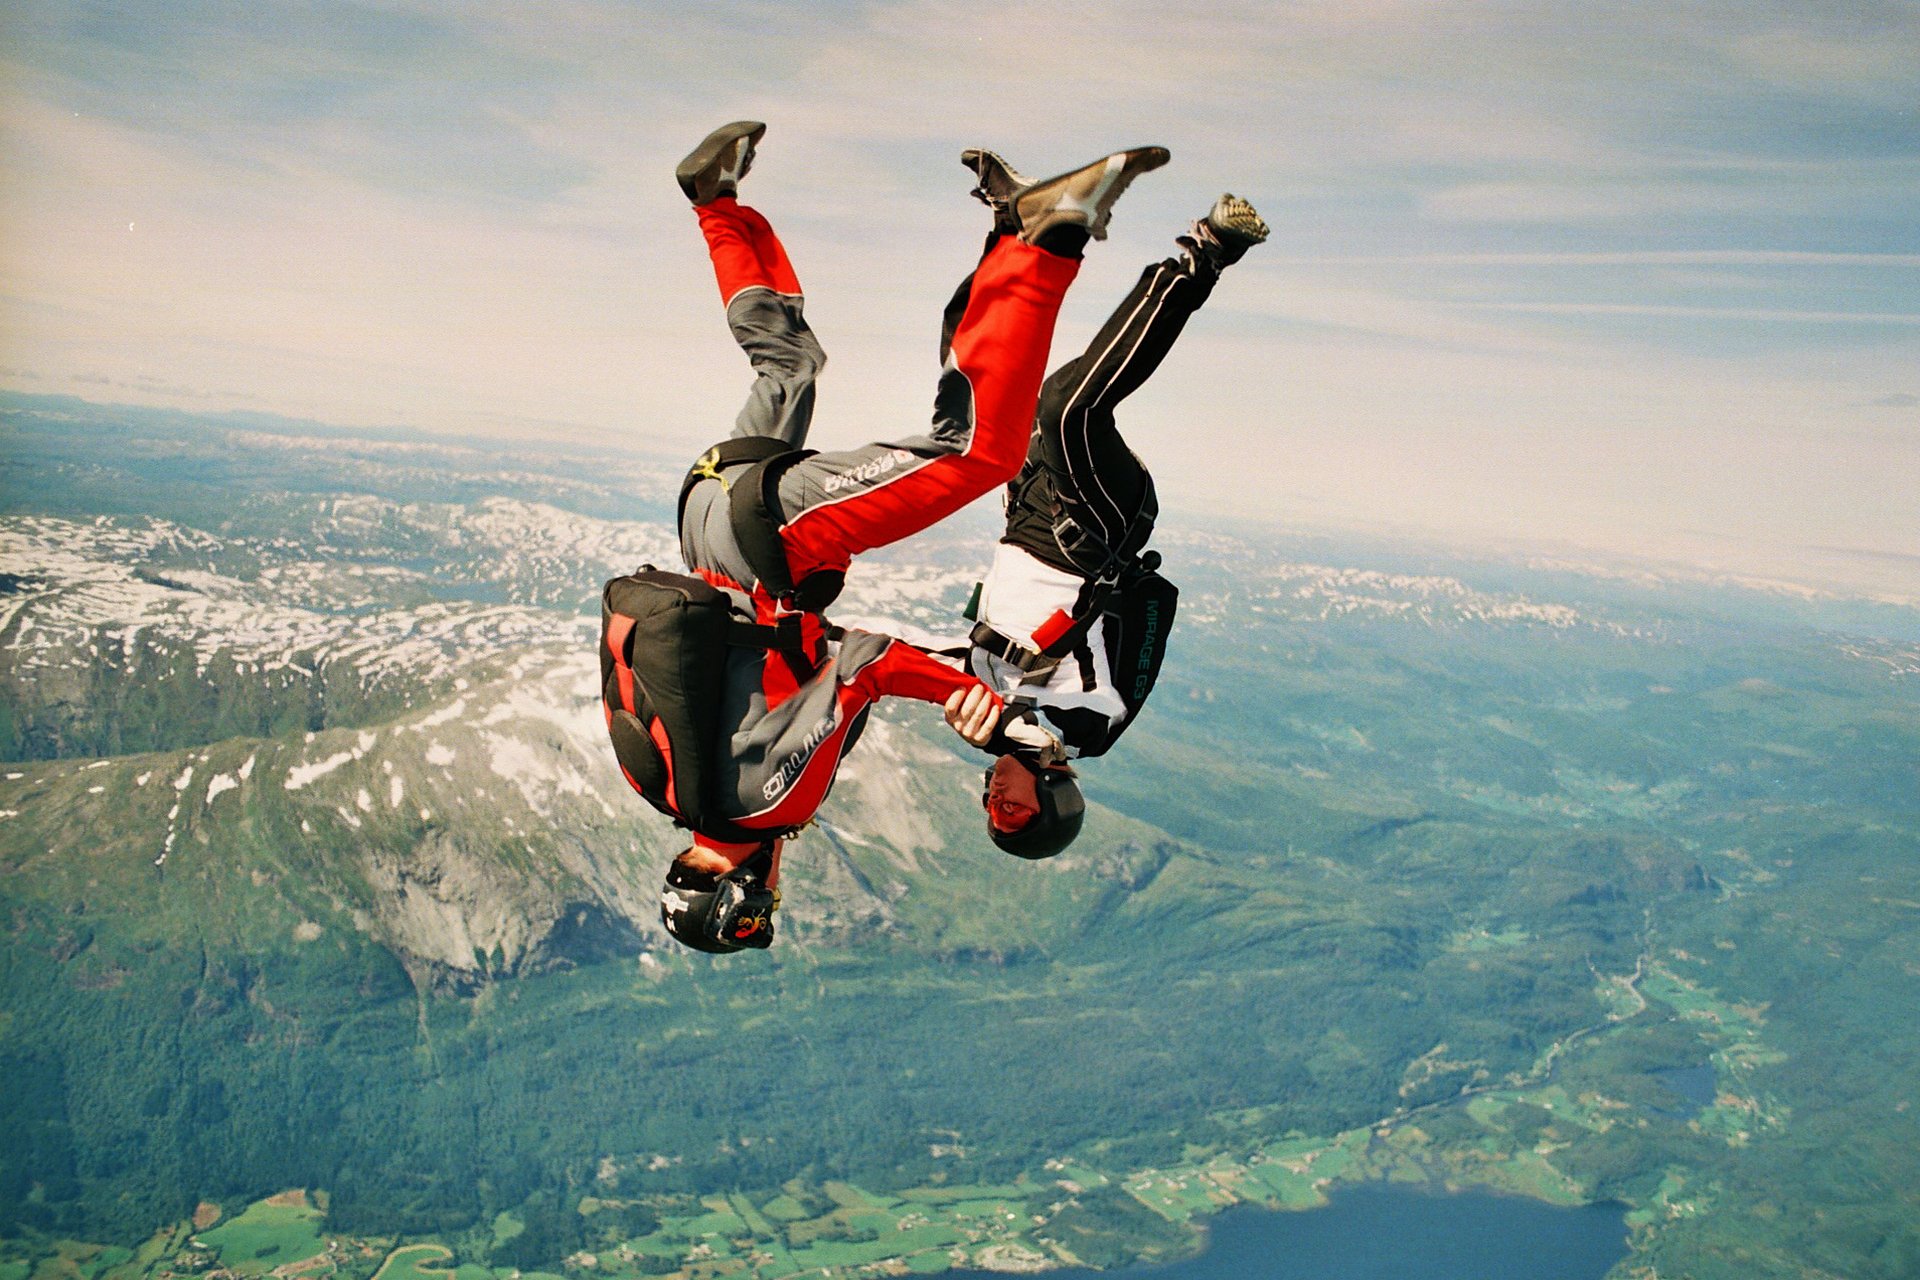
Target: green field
x,y
418,1262
267,1236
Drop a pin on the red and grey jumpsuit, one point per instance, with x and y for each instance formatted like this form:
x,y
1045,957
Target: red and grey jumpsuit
x,y
795,720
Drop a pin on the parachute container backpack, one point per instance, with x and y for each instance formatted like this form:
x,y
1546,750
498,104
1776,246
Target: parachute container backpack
x,y
1138,617
1136,610
663,652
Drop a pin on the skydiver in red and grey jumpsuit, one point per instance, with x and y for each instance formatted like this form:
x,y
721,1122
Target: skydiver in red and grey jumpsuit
x,y
794,724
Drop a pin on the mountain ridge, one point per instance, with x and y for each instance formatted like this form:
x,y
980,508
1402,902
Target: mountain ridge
x,y
1391,833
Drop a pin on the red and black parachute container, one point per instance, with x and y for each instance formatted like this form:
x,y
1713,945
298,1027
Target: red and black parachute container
x,y
664,639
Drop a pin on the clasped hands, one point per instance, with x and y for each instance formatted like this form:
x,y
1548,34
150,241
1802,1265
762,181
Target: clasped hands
x,y
976,713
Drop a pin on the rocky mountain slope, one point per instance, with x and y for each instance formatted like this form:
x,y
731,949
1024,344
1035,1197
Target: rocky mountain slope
x,y
316,873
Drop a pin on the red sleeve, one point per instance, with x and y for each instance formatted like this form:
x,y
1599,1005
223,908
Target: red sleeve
x,y
902,671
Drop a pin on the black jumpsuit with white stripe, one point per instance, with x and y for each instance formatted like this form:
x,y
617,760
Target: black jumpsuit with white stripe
x,y
1076,456
1078,464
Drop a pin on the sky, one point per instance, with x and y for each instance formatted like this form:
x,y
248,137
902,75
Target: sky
x,y
1640,279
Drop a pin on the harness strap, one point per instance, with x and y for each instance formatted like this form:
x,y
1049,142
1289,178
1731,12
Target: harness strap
x,y
1075,540
1070,639
1083,654
783,637
728,453
759,635
753,509
755,506
1035,490
1012,652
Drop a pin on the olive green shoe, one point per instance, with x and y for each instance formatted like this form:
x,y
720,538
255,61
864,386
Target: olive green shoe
x,y
999,183
1223,237
715,167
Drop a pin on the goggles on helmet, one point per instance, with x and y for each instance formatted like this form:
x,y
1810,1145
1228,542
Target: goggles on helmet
x,y
721,914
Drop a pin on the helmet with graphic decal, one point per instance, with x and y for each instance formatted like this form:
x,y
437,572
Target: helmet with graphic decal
x,y
721,913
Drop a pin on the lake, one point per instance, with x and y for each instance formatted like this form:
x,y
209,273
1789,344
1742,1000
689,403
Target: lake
x,y
1693,1086
1383,1231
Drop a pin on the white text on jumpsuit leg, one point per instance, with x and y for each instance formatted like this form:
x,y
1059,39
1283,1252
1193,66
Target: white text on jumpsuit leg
x,y
872,469
790,767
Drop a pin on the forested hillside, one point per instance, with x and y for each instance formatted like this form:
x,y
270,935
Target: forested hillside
x,y
318,875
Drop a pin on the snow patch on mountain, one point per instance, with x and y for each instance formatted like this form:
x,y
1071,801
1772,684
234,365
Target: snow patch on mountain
x,y
1899,659
445,715
135,587
301,775
554,744
876,782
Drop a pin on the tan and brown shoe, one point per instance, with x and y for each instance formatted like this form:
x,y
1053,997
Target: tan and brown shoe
x,y
1084,197
999,183
715,167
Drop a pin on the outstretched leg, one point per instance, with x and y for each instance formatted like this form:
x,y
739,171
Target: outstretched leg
x,y
842,503
1097,479
765,312
837,505
1095,474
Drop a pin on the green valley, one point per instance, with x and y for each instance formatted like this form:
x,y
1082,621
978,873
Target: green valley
x,y
1442,871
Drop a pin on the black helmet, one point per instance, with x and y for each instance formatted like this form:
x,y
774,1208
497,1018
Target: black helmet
x,y
1053,828
721,914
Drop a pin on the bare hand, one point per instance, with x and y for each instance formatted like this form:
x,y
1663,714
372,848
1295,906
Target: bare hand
x,y
973,713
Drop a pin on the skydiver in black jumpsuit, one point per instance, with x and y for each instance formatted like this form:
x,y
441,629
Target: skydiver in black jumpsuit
x,y
1083,503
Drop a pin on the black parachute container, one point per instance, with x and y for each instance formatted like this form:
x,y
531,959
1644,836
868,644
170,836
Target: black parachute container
x,y
664,639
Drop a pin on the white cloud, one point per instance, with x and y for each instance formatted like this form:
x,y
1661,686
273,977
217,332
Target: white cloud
x,y
1769,314
1878,66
